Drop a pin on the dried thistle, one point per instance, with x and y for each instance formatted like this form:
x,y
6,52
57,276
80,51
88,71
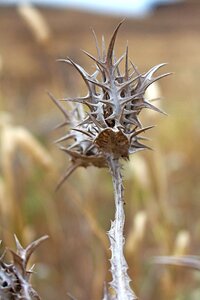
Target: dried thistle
x,y
14,277
107,131
112,125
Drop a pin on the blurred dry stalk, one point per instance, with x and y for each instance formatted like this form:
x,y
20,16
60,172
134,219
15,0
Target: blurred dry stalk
x,y
179,257
154,93
181,247
89,216
182,243
1,72
138,170
36,22
12,140
1,63
136,234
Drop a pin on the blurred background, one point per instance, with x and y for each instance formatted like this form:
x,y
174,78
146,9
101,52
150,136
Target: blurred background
x,y
162,188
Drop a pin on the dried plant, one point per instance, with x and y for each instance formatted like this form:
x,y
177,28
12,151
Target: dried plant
x,y
106,132
137,232
189,261
36,22
14,276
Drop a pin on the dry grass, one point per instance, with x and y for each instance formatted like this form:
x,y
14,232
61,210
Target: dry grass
x,y
162,191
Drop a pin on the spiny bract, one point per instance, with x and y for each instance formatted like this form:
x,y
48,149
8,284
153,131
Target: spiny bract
x,y
14,277
110,125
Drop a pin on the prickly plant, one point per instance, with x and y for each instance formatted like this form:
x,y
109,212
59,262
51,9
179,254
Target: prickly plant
x,y
107,131
15,277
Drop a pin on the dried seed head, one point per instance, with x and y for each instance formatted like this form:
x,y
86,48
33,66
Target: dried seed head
x,y
115,100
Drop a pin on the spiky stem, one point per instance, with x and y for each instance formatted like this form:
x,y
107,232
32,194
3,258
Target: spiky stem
x,y
120,279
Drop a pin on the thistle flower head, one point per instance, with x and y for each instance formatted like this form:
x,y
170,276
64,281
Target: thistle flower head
x,y
111,124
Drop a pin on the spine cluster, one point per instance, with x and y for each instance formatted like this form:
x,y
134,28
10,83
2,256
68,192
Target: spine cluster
x,y
15,277
110,125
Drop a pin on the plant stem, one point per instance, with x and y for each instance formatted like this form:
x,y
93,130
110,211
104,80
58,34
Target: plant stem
x,y
120,279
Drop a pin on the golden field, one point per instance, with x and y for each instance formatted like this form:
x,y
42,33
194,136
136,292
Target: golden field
x,y
162,189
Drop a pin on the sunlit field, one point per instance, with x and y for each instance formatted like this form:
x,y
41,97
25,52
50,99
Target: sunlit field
x,y
162,190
